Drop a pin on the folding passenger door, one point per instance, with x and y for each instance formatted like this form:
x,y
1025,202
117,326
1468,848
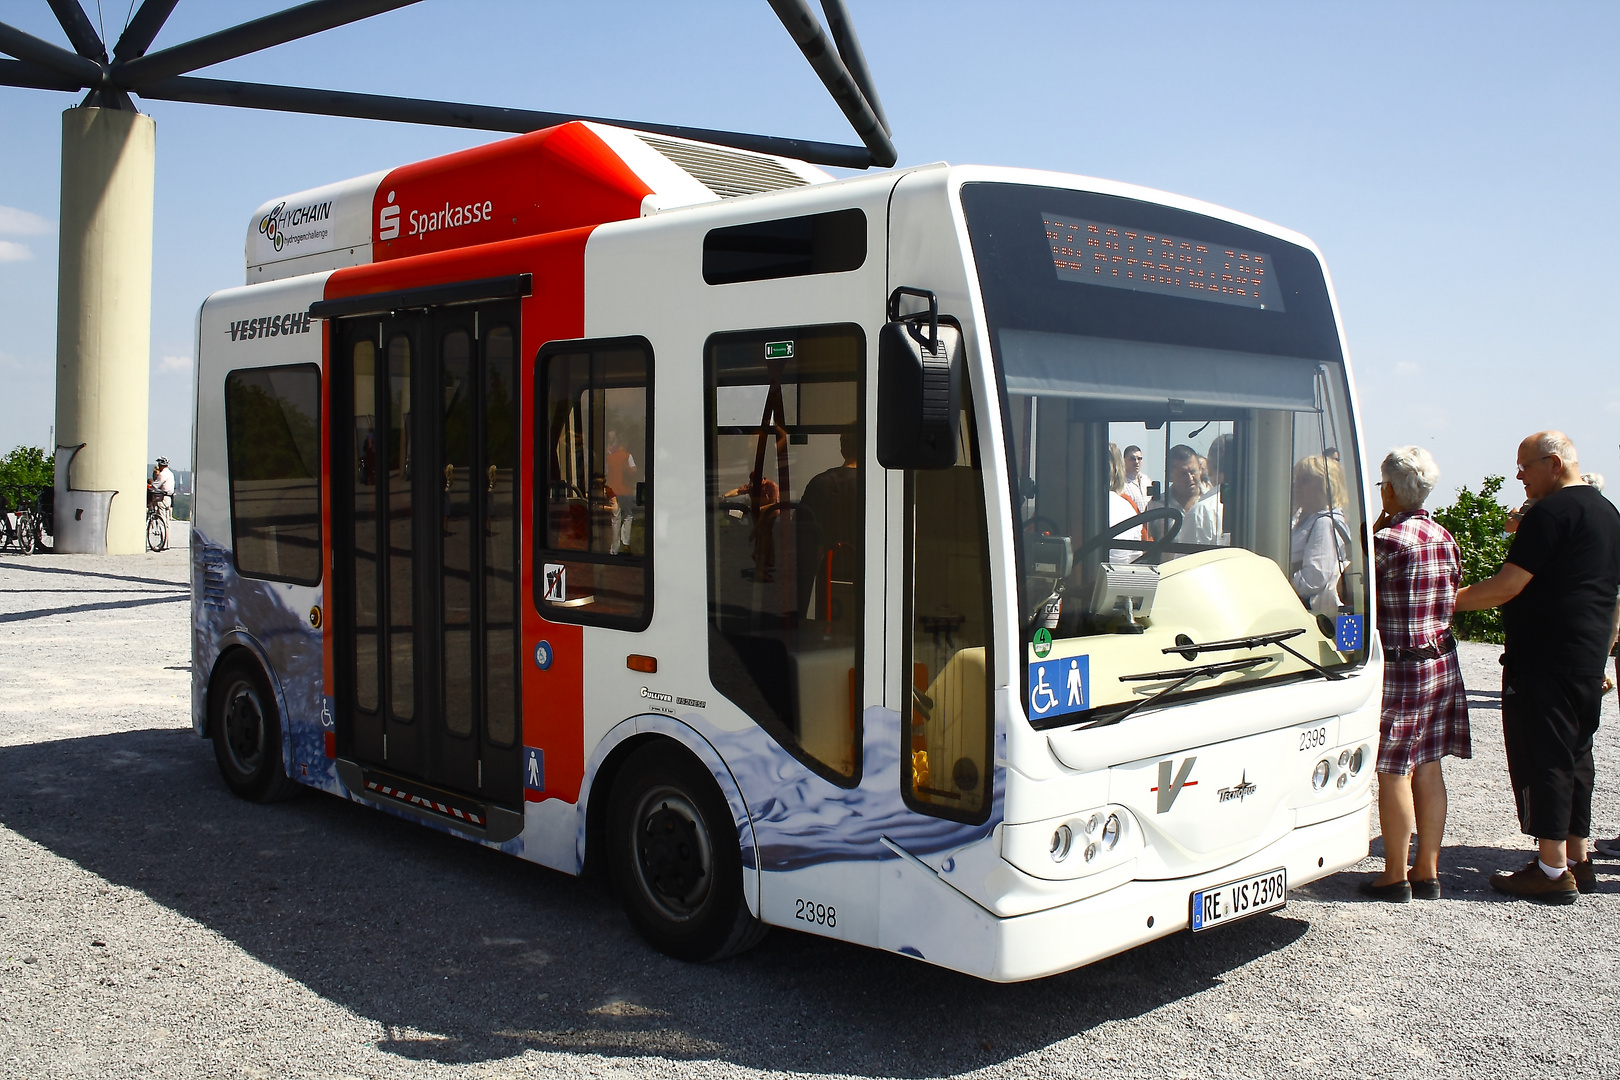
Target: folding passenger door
x,y
425,537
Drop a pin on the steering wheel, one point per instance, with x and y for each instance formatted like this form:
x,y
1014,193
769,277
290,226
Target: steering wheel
x,y
1156,513
1042,526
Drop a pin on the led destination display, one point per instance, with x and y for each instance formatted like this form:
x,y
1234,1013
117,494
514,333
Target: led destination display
x,y
1098,253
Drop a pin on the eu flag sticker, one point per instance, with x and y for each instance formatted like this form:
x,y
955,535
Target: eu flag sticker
x,y
1059,686
1347,633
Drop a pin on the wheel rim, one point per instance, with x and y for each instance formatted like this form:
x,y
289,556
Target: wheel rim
x,y
244,728
674,856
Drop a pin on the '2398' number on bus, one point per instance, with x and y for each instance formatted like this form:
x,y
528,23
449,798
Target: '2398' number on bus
x,y
820,914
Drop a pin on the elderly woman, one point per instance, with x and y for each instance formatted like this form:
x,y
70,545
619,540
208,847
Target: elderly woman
x,y
1319,546
1425,714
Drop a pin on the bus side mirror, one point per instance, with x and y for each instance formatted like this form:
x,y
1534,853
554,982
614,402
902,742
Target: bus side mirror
x,y
919,380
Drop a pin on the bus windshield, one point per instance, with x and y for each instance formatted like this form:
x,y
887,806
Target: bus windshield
x,y
1173,392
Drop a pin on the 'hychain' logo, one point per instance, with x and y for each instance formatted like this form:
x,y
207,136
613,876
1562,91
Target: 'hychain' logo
x,y
275,224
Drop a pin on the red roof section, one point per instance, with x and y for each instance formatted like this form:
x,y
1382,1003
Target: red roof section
x,y
555,179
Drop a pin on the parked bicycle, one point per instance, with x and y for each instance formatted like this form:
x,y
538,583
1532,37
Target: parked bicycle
x,y
18,528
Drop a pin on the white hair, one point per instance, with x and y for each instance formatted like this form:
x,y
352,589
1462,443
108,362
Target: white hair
x,y
1556,442
1411,472
1593,479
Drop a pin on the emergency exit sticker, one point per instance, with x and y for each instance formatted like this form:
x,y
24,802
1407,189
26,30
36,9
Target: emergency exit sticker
x,y
779,350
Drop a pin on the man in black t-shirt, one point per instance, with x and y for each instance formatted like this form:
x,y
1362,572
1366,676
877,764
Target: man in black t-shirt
x,y
1557,591
829,522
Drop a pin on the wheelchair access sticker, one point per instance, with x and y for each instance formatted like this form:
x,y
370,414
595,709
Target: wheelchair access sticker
x,y
1059,685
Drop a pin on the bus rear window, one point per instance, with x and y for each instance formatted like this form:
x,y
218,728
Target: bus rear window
x,y
273,447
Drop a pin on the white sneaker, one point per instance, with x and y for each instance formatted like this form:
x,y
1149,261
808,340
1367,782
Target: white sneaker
x,y
1611,848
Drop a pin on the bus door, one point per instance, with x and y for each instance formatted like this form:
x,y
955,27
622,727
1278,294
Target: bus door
x,y
425,541
940,597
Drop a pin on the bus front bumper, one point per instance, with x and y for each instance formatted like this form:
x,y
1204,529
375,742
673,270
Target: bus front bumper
x,y
1079,933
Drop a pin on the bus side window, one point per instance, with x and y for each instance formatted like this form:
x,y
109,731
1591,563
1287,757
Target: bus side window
x,y
947,659
593,503
273,451
785,501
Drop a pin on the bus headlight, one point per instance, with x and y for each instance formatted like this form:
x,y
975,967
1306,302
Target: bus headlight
x,y
1344,759
1357,760
1073,846
1319,776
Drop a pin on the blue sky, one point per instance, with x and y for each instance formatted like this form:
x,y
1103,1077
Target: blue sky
x,y
1456,163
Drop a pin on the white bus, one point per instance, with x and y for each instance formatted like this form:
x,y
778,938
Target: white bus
x,y
764,540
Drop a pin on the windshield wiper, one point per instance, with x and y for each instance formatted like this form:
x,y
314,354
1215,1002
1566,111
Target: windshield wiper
x,y
1278,638
1182,676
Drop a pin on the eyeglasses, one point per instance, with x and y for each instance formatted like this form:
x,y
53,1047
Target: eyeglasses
x,y
1519,470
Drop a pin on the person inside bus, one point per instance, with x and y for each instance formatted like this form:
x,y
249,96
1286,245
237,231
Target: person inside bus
x,y
621,477
1200,517
764,507
827,521
1425,707
1121,508
1319,544
603,514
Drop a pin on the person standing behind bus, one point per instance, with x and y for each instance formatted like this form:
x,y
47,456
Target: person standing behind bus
x,y
1425,707
621,477
1136,479
1557,593
1200,517
1121,508
163,487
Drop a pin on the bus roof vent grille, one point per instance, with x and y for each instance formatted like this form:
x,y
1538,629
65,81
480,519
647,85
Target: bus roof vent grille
x,y
728,173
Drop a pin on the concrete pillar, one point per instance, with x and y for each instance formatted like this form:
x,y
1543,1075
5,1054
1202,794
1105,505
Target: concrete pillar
x,y
104,327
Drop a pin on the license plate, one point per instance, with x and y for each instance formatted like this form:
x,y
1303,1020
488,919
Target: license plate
x,y
1236,899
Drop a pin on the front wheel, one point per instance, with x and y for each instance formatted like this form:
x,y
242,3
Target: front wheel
x,y
25,534
157,534
247,733
674,859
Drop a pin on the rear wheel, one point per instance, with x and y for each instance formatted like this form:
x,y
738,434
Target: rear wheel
x,y
674,859
247,733
25,533
157,535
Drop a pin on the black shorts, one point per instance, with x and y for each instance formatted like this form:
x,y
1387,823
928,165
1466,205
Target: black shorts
x,y
1549,716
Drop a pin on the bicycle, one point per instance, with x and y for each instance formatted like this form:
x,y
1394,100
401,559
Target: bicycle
x,y
17,529
157,525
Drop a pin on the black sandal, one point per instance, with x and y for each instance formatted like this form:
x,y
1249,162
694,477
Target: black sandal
x,y
1425,888
1396,892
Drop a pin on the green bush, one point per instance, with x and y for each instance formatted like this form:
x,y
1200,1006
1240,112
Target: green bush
x,y
1478,523
24,473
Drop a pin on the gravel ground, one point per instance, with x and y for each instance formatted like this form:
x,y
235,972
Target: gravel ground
x,y
153,925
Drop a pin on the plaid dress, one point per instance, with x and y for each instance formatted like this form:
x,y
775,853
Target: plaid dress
x,y
1425,714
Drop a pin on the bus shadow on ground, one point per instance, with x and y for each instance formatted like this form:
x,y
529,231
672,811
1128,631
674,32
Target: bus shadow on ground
x,y
465,954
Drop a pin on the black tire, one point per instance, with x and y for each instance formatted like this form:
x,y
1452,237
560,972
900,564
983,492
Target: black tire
x,y
673,857
25,533
246,730
157,534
